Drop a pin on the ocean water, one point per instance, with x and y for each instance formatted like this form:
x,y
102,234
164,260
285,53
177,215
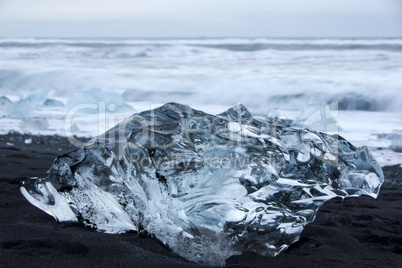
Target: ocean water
x,y
88,85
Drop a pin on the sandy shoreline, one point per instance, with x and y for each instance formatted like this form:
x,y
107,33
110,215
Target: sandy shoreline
x,y
359,231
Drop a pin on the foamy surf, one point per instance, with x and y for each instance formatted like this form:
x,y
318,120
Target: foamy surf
x,y
131,75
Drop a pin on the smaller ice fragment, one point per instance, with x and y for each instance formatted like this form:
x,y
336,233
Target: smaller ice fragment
x,y
53,103
34,123
4,100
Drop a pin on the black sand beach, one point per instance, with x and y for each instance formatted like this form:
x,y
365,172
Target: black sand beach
x,y
359,232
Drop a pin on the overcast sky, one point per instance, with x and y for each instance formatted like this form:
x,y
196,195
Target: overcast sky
x,y
198,18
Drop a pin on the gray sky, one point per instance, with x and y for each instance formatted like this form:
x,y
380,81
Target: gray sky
x,y
196,18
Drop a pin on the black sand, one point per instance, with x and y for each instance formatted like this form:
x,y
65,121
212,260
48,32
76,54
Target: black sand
x,y
359,232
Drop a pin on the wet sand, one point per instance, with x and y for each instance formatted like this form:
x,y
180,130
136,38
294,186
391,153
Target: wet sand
x,y
359,232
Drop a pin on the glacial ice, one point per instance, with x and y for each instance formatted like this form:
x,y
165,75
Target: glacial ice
x,y
34,123
393,139
207,186
113,102
4,100
53,103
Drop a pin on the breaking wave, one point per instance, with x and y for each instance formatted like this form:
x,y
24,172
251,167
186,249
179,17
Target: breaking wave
x,y
360,74
112,48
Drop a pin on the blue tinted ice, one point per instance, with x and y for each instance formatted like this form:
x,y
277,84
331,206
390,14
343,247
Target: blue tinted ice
x,y
207,186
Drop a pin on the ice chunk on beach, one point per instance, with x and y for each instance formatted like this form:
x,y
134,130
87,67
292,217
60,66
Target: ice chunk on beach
x,y
112,102
53,103
34,123
393,139
207,186
4,100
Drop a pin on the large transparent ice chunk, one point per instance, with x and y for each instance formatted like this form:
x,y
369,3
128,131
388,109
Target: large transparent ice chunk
x,y
207,186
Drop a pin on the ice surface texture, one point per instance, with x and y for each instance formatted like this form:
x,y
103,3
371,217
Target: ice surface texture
x,y
207,186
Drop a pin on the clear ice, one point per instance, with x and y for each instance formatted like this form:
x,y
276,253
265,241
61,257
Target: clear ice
x,y
207,186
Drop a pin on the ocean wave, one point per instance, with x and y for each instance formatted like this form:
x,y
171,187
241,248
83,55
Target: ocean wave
x,y
210,88
102,51
258,72
221,53
315,47
138,48
201,41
